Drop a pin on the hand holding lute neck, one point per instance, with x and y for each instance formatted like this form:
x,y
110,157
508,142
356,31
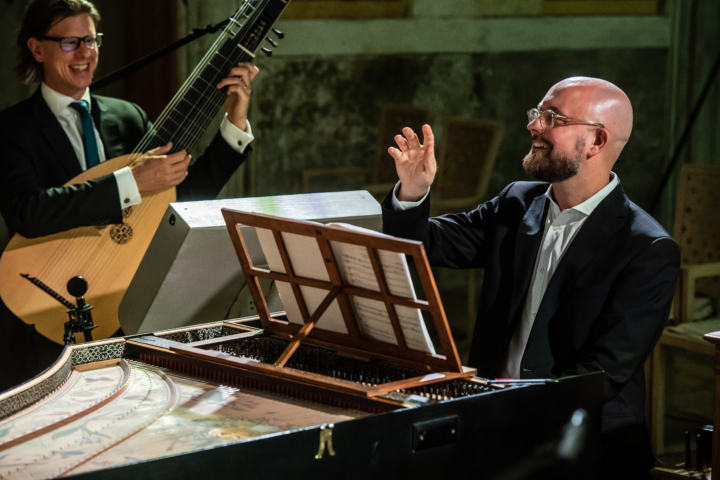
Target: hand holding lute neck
x,y
239,86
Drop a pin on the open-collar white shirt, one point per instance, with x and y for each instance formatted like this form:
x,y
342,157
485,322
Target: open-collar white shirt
x,y
560,229
69,119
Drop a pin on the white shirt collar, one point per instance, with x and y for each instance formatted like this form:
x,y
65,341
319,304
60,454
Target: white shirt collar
x,y
591,203
59,102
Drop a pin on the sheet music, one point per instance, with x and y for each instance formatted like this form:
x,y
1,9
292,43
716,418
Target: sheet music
x,y
356,270
307,261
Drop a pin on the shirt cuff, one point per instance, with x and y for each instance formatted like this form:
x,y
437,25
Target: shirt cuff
x,y
398,205
236,138
127,188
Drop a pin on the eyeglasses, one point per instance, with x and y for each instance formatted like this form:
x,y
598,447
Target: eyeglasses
x,y
547,119
70,44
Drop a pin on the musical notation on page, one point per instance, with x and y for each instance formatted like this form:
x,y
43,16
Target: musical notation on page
x,y
356,270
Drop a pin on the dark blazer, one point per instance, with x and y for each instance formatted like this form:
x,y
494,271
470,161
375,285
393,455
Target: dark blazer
x,y
604,308
36,159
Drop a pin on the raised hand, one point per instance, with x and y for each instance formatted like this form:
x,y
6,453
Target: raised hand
x,y
238,82
415,163
156,171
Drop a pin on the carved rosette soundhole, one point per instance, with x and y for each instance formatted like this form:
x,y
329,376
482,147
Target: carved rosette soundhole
x,y
121,234
127,212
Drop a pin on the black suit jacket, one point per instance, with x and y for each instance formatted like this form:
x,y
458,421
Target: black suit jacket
x,y
604,308
36,159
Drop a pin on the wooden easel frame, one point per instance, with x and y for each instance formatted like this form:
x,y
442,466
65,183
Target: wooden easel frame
x,y
439,367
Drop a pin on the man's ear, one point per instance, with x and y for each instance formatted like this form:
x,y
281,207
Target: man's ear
x,y
35,47
600,141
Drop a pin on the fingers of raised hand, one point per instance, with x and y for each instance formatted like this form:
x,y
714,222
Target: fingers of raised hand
x,y
395,153
428,136
412,139
402,143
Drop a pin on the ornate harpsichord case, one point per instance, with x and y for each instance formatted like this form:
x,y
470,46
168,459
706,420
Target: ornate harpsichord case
x,y
319,392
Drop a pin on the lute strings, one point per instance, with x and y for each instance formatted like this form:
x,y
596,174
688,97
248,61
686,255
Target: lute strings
x,y
151,138
194,123
155,137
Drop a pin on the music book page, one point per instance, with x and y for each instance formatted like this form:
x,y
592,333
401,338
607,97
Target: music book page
x,y
307,261
355,270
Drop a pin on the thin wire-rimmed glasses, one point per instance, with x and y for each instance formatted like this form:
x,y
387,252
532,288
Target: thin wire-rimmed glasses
x,y
547,119
70,44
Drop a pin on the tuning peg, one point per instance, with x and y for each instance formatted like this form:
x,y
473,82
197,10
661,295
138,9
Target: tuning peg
x,y
272,42
266,51
279,34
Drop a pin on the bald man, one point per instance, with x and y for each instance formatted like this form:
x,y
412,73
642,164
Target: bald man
x,y
577,277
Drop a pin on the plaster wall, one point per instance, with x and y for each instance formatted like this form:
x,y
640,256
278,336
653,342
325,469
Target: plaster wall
x,y
316,102
312,112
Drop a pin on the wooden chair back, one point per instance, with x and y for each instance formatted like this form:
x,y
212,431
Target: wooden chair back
x,y
467,156
697,217
393,118
697,231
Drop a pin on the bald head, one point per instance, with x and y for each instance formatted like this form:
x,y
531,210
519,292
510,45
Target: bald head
x,y
599,101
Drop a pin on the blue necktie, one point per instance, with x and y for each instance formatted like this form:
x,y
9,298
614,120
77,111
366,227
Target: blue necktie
x,y
92,157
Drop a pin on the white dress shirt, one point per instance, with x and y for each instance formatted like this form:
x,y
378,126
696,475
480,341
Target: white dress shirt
x,y
559,231
561,228
70,121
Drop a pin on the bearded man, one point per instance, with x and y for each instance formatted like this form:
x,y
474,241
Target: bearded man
x,y
578,278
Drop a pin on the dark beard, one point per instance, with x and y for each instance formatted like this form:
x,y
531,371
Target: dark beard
x,y
551,168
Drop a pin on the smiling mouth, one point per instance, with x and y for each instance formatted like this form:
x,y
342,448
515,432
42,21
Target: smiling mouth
x,y
537,143
79,68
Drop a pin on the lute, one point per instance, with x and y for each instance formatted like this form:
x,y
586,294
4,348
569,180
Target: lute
x,y
108,256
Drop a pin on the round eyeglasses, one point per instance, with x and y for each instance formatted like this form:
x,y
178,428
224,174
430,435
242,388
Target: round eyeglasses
x,y
70,44
547,119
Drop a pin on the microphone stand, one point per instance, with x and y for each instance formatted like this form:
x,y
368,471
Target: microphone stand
x,y
137,65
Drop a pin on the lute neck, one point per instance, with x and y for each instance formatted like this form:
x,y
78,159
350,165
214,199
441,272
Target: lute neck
x,y
195,105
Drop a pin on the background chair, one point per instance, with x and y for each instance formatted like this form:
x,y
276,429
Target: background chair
x,y
393,118
697,231
681,355
465,164
381,175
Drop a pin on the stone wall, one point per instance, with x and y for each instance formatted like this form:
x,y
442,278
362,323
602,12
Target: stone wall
x,y
316,102
318,111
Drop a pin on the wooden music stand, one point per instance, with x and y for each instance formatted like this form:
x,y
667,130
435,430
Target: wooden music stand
x,y
352,344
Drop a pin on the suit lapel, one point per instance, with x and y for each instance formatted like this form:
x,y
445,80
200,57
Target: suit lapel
x,y
603,222
527,243
107,124
55,135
